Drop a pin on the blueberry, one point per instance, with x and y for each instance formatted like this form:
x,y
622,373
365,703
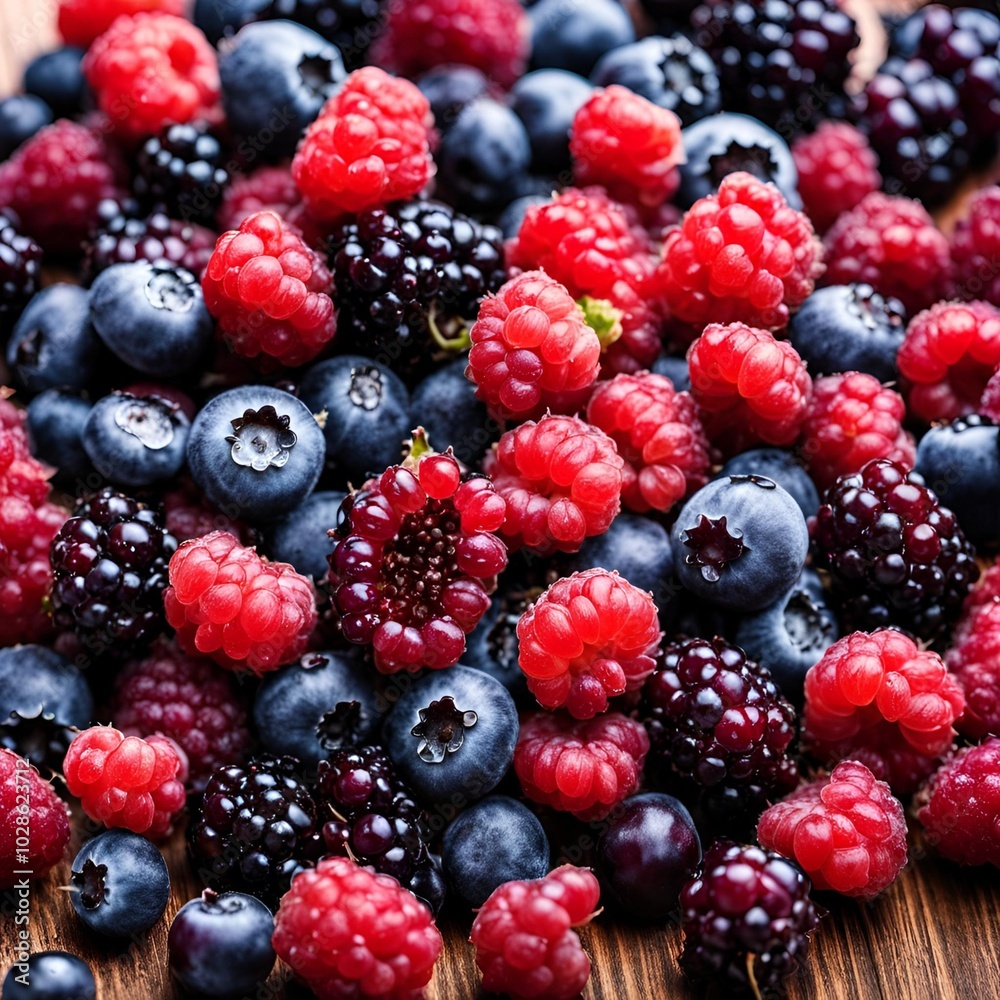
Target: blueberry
x,y
849,328
367,415
451,735
547,101
675,369
301,538
53,342
55,427
255,450
721,144
791,635
57,78
960,462
645,854
574,36
492,645
445,405
449,89
220,18
120,884
494,841
740,542
50,975
35,679
328,696
152,316
219,946
276,76
135,441
21,116
510,219
781,466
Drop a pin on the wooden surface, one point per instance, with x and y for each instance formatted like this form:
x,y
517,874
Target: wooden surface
x,y
935,935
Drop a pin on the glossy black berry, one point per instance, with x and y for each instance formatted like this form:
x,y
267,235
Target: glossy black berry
x,y
20,269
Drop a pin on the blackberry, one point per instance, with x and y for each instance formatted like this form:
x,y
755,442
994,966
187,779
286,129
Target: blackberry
x,y
255,828
183,172
746,920
783,61
897,558
409,277
20,268
371,816
109,568
719,730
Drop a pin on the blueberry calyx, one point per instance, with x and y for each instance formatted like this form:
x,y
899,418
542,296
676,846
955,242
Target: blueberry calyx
x,y
148,419
441,729
171,288
89,881
713,546
805,624
762,481
316,73
341,726
261,439
366,387
29,347
753,159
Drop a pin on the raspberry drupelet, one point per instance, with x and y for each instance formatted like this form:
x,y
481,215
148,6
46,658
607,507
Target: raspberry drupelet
x,y
975,248
270,292
880,699
852,419
950,352
561,480
81,21
230,604
629,145
846,830
974,661
415,560
346,931
370,145
740,255
532,349
125,781
524,939
584,768
749,387
588,638
659,436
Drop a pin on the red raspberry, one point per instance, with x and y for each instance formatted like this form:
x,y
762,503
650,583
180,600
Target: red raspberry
x,y
491,35
189,515
81,21
947,358
349,932
228,603
189,699
846,831
152,69
589,637
878,698
561,479
56,182
270,292
853,418
986,593
525,945
837,168
267,189
531,348
21,475
741,255
369,146
659,435
124,781
33,821
975,248
989,402
415,561
629,145
583,768
960,806
749,387
892,244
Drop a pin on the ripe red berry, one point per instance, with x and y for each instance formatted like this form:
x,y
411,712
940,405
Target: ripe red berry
x,y
749,387
266,189
590,637
81,21
853,418
525,944
975,248
658,434
561,480
369,146
270,292
228,603
583,768
846,831
350,932
740,255
880,699
125,781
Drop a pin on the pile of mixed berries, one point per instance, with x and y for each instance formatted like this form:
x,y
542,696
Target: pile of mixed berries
x,y
496,464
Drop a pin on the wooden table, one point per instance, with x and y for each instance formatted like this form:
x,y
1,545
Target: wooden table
x,y
932,936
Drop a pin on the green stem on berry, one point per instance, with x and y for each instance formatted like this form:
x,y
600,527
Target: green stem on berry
x,y
603,318
416,448
454,345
